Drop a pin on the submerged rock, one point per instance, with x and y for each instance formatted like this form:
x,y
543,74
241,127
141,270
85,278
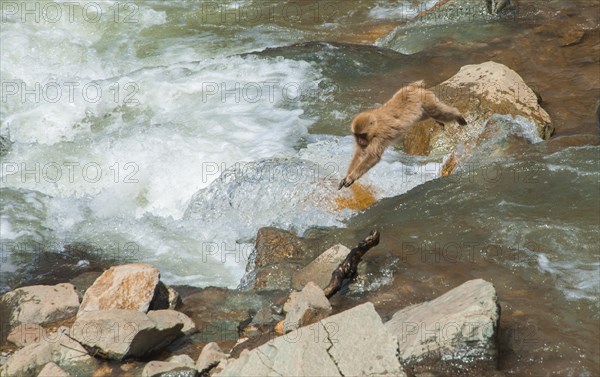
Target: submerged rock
x,y
351,343
39,304
130,286
459,327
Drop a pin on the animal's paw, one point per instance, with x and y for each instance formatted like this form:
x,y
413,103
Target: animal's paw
x,y
345,182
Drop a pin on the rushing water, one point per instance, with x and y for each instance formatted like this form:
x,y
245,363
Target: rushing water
x,y
169,132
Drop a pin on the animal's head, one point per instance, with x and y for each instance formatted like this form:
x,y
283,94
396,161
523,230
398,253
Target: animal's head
x,y
363,127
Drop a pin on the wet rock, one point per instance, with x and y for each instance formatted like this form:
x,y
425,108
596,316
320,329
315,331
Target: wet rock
x,y
40,304
354,342
319,270
169,317
130,286
210,357
179,365
26,334
457,327
218,311
84,281
119,333
572,37
53,370
174,298
275,245
4,145
305,307
58,348
479,91
278,276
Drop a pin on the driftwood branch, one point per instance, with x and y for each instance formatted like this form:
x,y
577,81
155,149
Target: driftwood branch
x,y
347,269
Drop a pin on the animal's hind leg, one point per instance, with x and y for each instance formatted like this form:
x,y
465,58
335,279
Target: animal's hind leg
x,y
441,112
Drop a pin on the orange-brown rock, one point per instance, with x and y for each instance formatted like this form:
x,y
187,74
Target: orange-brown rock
x,y
130,286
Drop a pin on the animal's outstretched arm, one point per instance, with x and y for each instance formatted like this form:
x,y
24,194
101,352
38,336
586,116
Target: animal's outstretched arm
x,y
371,156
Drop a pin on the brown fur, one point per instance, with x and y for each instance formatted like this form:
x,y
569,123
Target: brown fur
x,y
375,129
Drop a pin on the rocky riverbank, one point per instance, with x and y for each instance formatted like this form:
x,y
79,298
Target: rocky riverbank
x,y
129,323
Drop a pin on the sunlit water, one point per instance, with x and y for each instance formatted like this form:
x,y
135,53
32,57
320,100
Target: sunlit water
x,y
165,133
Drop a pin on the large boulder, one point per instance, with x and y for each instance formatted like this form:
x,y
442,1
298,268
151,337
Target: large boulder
x,y
39,304
130,286
119,333
319,270
459,327
351,343
478,91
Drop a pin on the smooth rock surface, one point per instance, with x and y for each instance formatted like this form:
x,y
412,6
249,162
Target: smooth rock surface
x,y
305,307
130,286
182,364
40,304
460,325
319,270
210,356
53,370
26,334
118,333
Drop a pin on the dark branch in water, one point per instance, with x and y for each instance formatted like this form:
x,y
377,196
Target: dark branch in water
x,y
347,269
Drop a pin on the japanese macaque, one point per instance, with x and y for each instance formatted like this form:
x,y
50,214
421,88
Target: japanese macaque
x,y
374,130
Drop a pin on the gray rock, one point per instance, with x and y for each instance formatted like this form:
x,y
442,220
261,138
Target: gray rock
x,y
179,365
305,307
130,286
26,334
40,304
117,333
58,348
351,343
53,370
319,271
460,325
210,357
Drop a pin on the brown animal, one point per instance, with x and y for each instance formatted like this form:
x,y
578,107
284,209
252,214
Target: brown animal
x,y
375,129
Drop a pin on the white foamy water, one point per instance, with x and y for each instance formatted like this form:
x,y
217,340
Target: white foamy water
x,y
117,132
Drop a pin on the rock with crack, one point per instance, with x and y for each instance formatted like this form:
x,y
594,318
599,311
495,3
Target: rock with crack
x,y
319,270
459,327
39,304
58,348
131,286
305,307
351,343
119,334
